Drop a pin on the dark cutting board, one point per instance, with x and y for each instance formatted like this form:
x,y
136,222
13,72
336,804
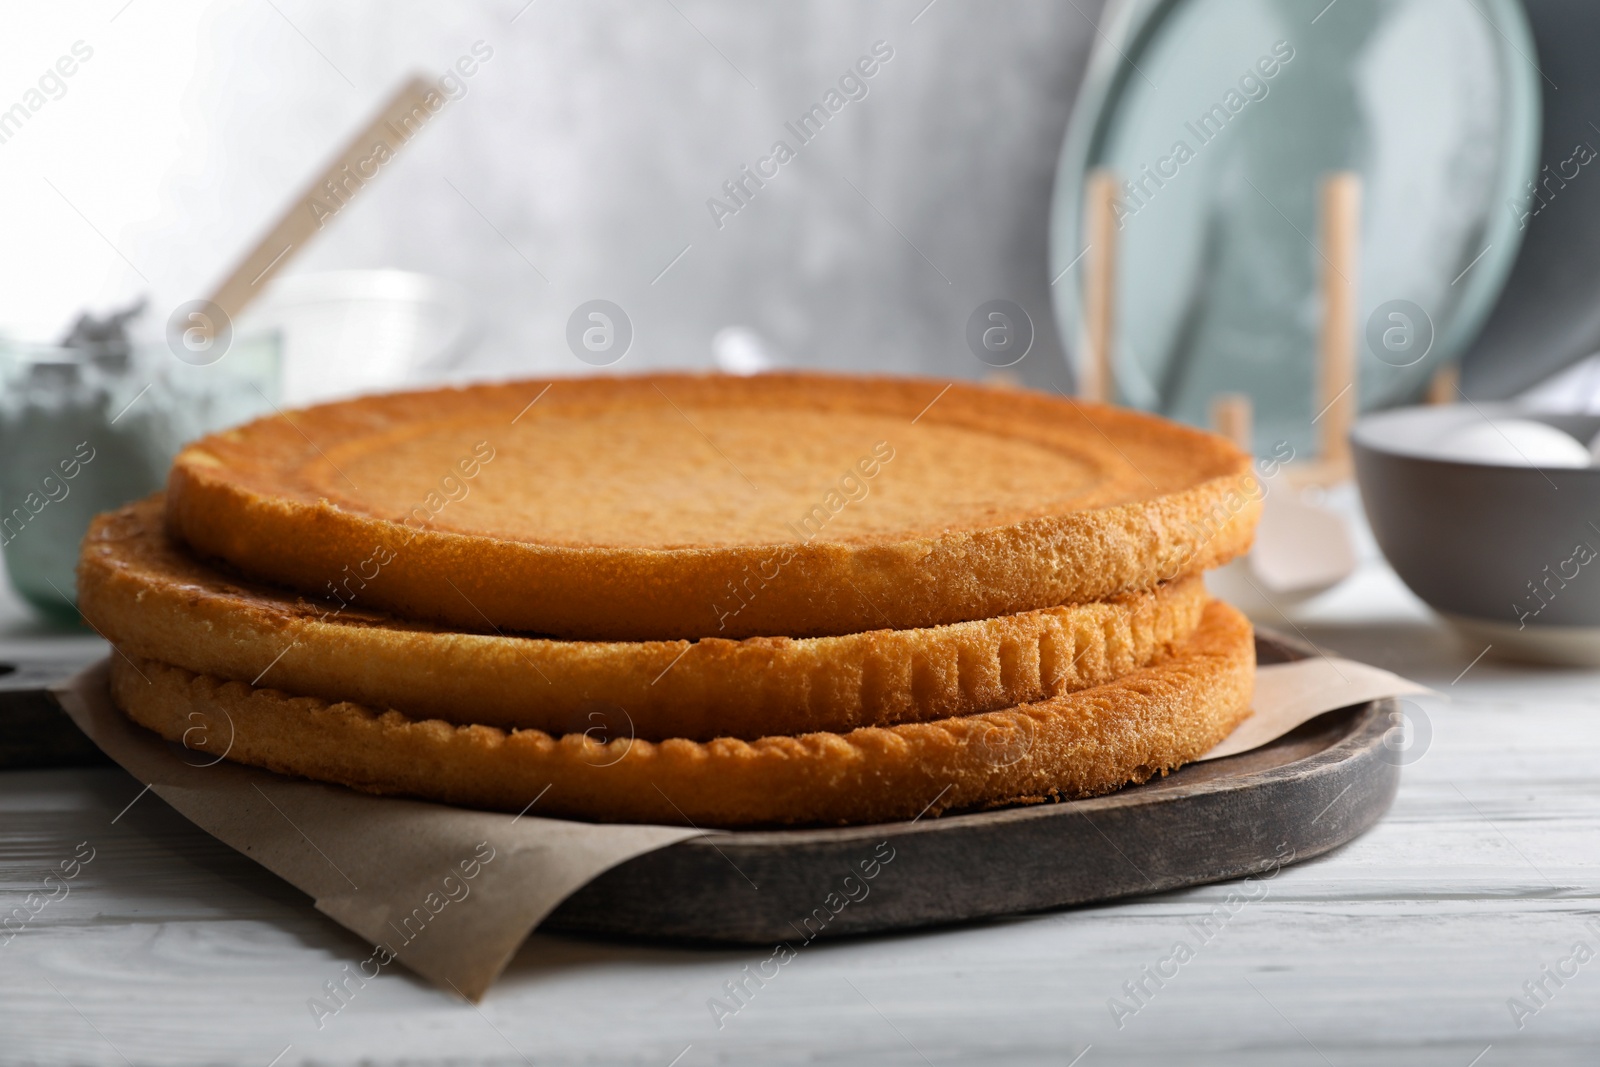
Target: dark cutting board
x,y
1310,791
1298,797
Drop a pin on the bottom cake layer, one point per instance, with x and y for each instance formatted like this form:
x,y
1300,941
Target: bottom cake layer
x,y
1081,744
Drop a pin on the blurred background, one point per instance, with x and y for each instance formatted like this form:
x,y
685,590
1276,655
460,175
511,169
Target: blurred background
x,y
576,164
1268,217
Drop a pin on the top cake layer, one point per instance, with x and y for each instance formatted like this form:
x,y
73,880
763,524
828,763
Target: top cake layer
x,y
684,506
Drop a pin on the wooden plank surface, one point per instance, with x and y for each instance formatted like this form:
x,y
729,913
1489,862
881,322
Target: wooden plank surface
x,y
1401,948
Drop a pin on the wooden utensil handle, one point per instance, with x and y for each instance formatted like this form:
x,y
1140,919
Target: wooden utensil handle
x,y
400,119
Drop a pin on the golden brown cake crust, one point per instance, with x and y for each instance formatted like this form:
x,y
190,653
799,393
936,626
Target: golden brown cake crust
x,y
678,506
153,599
1082,744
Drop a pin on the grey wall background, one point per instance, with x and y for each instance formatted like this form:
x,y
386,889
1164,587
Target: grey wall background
x,y
578,165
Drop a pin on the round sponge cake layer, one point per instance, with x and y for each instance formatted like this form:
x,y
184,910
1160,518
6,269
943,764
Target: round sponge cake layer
x,y
686,507
153,599
1080,744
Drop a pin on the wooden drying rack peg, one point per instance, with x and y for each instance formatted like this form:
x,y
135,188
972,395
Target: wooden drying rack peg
x,y
1445,385
1232,416
1336,353
1096,380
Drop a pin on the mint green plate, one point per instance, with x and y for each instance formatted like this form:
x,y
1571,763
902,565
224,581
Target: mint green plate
x,y
1225,115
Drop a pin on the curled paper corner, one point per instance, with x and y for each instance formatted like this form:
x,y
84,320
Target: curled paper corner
x,y
1291,694
450,892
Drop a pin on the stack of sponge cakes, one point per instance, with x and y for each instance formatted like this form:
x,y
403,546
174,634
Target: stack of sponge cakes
x,y
706,600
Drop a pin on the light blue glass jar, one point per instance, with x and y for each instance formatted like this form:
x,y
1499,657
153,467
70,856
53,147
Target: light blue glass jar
x,y
67,457
83,431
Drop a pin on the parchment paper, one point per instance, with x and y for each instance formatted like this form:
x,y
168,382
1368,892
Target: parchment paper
x,y
452,893
1288,694
371,862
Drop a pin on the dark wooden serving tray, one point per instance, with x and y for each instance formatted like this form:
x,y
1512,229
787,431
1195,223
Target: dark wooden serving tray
x,y
1306,793
1298,797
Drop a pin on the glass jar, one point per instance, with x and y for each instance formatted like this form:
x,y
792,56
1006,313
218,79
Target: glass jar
x,y
81,433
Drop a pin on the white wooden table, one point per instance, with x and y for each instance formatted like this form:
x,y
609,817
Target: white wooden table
x,y
1402,948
